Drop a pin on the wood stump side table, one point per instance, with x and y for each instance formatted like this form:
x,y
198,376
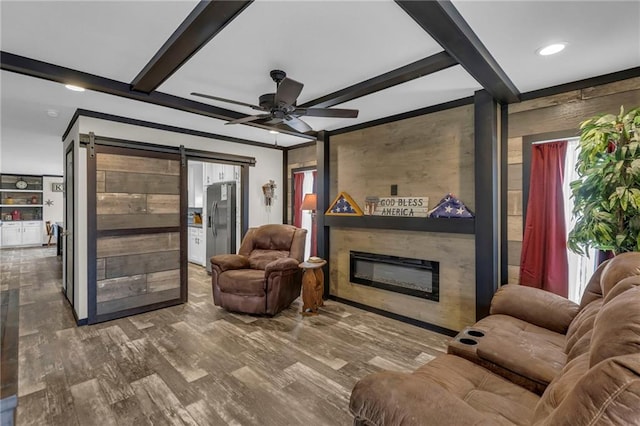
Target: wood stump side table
x,y
312,286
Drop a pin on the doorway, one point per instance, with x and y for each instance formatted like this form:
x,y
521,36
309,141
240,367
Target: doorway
x,y
214,214
304,183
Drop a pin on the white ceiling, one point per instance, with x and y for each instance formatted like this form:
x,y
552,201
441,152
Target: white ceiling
x,y
327,45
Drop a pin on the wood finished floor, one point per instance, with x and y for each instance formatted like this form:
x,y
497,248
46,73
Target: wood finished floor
x,y
196,364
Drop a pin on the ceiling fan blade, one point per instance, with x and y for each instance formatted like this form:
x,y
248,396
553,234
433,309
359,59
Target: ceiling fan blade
x,y
249,118
297,124
326,112
215,98
288,91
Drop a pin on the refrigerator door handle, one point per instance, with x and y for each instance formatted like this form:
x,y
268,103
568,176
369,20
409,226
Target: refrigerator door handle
x,y
214,208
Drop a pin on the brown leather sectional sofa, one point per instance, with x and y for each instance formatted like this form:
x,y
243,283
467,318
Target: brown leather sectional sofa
x,y
538,359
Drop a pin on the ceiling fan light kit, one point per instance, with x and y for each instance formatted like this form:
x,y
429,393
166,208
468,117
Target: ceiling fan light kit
x,y
280,107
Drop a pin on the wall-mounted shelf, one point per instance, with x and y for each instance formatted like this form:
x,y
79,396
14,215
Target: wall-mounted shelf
x,y
20,205
423,224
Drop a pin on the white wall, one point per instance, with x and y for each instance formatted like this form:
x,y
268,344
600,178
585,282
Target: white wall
x,y
268,161
54,212
30,153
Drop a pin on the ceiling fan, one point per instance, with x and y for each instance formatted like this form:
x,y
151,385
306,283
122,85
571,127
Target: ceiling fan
x,y
280,107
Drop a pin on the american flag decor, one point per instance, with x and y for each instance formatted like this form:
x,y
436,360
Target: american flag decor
x,y
451,207
344,205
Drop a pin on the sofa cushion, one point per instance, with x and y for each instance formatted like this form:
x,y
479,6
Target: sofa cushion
x,y
593,289
244,282
447,391
622,266
488,394
617,328
607,394
259,259
273,237
582,323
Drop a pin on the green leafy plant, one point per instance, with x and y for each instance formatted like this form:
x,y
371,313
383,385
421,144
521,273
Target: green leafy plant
x,y
606,195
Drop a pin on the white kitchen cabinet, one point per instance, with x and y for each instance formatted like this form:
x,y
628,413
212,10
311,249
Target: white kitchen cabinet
x,y
32,233
27,233
196,246
11,234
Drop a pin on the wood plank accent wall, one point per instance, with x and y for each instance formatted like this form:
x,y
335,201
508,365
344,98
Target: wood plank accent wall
x,y
560,112
428,155
135,268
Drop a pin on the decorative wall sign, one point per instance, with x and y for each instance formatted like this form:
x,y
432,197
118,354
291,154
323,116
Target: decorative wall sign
x,y
397,206
57,187
344,205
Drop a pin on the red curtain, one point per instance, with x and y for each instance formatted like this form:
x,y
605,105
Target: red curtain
x,y
314,226
298,179
543,262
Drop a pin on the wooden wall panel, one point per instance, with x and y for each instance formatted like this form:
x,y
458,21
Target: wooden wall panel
x,y
135,244
562,112
456,254
119,266
140,183
157,203
144,299
165,280
118,288
110,203
431,156
128,221
136,164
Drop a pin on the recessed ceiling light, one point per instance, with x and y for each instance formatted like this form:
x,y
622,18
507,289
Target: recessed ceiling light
x,y
551,49
74,88
274,132
52,113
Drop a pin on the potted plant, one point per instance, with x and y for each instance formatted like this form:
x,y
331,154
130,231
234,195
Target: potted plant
x,y
607,193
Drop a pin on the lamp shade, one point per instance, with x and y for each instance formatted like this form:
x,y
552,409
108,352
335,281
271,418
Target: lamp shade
x,y
309,202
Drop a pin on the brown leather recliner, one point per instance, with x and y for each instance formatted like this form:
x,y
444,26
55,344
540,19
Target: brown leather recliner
x,y
263,278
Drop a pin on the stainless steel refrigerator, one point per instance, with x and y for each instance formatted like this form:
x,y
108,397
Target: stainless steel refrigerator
x,y
221,220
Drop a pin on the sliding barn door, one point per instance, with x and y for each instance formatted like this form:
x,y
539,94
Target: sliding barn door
x,y
139,255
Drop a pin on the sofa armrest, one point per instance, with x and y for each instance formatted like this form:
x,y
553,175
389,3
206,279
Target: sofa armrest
x,y
282,264
226,262
536,306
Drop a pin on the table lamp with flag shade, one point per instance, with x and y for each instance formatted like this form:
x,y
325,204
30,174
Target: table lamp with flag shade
x,y
309,203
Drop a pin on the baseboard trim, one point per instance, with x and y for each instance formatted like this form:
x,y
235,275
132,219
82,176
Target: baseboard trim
x,y
397,317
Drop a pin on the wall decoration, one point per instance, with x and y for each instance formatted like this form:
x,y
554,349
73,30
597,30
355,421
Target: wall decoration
x,y
268,189
344,205
397,206
57,187
451,207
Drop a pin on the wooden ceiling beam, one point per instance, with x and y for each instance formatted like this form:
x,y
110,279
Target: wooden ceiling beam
x,y
51,72
420,68
204,22
442,21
